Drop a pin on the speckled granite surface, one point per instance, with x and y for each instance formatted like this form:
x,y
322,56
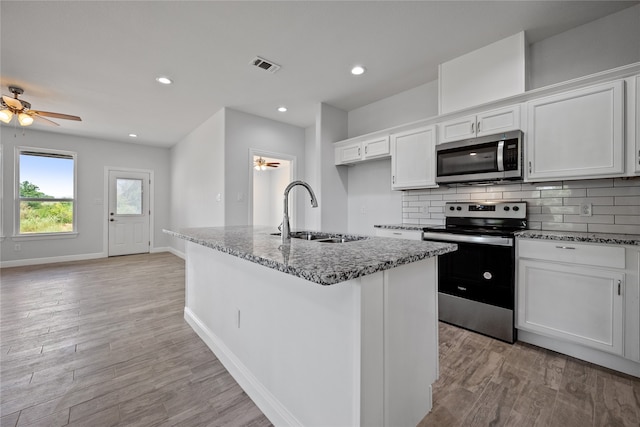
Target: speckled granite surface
x,y
612,239
322,263
415,227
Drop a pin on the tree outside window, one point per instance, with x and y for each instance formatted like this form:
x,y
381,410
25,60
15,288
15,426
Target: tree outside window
x,y
46,190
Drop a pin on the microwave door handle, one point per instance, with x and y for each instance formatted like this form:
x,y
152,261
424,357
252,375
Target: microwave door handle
x,y
500,156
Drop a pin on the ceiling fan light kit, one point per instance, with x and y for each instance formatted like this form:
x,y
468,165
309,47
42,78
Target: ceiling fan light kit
x,y
10,107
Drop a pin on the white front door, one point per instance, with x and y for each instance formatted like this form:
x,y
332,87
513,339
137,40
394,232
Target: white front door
x,y
129,212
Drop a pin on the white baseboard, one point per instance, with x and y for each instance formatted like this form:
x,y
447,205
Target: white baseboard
x,y
173,251
51,260
267,402
611,361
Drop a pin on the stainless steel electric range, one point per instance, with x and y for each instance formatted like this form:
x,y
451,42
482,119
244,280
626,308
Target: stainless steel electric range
x,y
476,283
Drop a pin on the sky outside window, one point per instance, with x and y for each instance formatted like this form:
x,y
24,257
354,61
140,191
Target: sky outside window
x,y
54,176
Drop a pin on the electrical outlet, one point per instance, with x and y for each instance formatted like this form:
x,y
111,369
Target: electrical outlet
x,y
585,209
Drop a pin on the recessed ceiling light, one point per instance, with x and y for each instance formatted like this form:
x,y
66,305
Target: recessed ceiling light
x,y
358,70
133,135
282,109
164,80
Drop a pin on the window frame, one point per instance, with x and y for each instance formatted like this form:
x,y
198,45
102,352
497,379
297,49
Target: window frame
x,y
45,152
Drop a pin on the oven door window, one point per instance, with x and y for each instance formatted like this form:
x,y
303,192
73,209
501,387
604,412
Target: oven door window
x,y
468,160
481,273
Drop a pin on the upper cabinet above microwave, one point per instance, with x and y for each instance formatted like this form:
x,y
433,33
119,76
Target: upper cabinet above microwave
x,y
486,123
576,134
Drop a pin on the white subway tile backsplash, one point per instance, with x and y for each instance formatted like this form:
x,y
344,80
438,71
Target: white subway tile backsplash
x,y
576,192
551,205
627,201
549,201
602,201
563,226
614,191
545,217
588,183
542,186
627,219
510,195
595,219
615,229
627,182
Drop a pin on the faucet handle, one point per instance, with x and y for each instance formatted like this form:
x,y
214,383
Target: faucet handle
x,y
280,227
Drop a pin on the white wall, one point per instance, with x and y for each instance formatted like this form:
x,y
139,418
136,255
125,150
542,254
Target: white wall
x,y
331,126
405,107
312,168
197,178
268,190
600,45
93,156
242,132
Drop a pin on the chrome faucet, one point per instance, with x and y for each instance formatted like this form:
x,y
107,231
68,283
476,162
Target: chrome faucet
x,y
286,231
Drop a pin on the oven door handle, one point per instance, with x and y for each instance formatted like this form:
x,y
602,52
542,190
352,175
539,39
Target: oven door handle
x,y
466,238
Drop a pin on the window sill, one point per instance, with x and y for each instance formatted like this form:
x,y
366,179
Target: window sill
x,y
44,236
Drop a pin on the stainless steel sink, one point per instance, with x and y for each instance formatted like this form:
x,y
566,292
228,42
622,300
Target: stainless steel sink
x,y
323,237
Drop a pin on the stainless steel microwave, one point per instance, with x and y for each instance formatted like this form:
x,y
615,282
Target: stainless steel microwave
x,y
488,158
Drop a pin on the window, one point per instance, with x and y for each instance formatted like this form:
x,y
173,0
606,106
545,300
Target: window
x,y
46,192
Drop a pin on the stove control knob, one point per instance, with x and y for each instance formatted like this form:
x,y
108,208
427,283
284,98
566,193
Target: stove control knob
x,y
515,208
458,208
451,208
506,208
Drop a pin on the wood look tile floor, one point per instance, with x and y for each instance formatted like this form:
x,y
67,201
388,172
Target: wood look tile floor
x,y
104,343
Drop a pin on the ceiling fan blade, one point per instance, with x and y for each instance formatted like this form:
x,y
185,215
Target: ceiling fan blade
x,y
57,115
12,102
43,121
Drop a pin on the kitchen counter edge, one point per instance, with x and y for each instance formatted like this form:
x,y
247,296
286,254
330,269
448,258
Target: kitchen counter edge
x,y
575,236
313,261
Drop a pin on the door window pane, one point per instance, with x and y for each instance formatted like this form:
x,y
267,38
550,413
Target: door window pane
x,y
128,196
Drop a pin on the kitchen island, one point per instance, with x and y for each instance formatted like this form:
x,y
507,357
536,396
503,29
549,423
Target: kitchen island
x,y
318,333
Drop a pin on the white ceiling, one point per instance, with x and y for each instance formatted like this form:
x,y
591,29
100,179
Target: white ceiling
x,y
99,59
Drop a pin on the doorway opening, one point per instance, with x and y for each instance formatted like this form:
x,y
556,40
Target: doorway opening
x,y
270,174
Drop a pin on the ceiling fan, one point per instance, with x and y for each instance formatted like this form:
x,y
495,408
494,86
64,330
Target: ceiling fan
x,y
10,107
261,164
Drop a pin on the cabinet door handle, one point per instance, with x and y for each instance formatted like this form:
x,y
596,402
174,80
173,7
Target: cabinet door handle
x,y
358,151
393,179
366,148
565,247
619,286
472,125
529,167
639,157
478,127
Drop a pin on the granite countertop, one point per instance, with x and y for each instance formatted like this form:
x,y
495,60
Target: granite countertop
x,y
411,227
574,236
322,263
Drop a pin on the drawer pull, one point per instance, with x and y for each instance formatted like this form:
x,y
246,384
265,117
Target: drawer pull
x,y
619,285
565,247
397,234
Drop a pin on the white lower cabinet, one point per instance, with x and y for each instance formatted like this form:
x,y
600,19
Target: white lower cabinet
x,y
579,304
581,299
413,163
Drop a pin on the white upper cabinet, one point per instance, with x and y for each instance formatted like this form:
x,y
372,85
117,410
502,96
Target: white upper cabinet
x,y
577,134
413,159
354,152
486,123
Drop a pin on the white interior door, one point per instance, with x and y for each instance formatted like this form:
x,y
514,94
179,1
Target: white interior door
x,y
129,212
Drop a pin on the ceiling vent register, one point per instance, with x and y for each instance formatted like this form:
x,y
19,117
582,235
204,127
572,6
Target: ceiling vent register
x,y
265,64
